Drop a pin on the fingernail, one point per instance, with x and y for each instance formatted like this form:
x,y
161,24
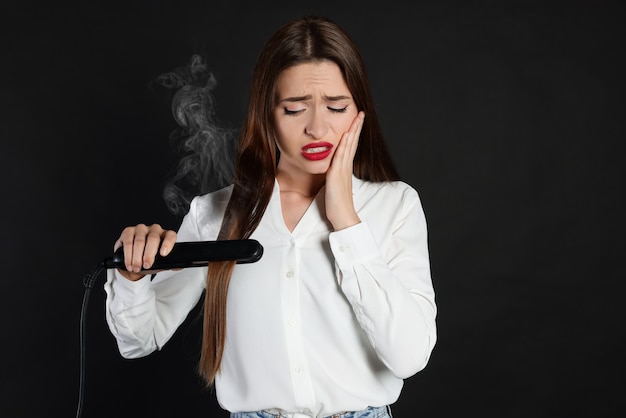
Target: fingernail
x,y
164,250
146,265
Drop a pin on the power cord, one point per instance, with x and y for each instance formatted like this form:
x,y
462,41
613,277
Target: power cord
x,y
88,281
184,254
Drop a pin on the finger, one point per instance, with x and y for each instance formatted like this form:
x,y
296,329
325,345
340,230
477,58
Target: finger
x,y
126,240
137,249
117,244
346,149
354,134
169,239
357,124
153,242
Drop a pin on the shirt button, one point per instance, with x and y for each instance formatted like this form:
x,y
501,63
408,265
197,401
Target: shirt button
x,y
292,322
297,369
342,249
289,274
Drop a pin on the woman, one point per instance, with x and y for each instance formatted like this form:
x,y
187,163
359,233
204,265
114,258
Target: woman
x,y
340,309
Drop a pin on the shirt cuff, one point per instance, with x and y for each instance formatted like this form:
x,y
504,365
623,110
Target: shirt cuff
x,y
353,245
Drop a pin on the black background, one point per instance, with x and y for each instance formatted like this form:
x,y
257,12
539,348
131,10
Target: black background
x,y
506,116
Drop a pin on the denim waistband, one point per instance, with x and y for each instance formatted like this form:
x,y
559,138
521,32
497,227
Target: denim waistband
x,y
371,412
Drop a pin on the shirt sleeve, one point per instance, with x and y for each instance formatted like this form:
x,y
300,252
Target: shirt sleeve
x,y
143,315
390,288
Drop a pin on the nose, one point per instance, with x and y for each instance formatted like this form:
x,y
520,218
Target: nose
x,y
316,126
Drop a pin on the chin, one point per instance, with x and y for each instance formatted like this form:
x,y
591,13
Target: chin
x,y
318,167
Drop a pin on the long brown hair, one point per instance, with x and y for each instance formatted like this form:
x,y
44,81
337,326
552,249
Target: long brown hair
x,y
304,40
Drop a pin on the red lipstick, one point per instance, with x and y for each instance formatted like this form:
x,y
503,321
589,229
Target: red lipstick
x,y
317,150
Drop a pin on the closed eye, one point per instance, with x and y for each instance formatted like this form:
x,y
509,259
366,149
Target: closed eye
x,y
293,112
338,110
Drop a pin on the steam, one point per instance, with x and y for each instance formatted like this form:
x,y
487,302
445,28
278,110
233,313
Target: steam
x,y
206,149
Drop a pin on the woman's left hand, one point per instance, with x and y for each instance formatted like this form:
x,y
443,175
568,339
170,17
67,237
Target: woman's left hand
x,y
339,204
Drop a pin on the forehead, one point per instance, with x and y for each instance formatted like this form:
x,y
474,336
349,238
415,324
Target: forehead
x,y
305,78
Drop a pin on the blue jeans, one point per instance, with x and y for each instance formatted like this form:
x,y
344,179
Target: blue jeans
x,y
371,412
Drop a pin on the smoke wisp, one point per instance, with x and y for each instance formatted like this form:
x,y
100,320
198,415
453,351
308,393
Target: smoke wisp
x,y
206,149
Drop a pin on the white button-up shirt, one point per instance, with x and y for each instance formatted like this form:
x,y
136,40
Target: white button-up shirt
x,y
325,322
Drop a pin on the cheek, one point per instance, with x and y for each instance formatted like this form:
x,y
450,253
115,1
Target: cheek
x,y
279,131
345,122
280,141
284,135
288,127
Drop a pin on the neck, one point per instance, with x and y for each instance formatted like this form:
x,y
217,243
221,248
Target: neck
x,y
305,184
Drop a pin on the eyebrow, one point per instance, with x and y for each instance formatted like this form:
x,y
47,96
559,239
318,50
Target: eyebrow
x,y
309,97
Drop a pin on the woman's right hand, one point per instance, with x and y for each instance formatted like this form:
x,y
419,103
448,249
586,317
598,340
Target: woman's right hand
x,y
141,244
